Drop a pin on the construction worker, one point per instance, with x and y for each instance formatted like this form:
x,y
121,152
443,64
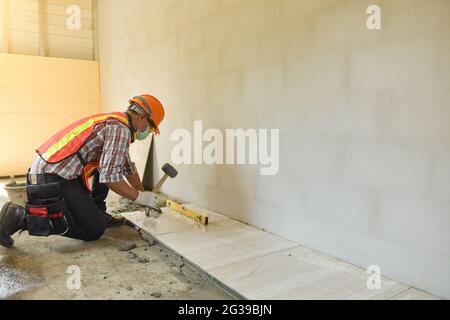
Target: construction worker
x,y
73,172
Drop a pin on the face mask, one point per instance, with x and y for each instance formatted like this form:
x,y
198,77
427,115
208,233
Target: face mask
x,y
143,135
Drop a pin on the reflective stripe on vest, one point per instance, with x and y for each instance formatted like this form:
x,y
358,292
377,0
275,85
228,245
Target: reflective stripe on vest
x,y
69,141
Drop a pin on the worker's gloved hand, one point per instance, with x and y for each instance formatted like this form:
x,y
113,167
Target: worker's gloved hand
x,y
148,199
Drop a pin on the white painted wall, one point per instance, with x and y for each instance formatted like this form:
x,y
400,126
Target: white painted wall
x,y
364,117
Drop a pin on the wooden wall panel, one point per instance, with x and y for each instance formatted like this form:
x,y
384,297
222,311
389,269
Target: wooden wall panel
x,y
38,97
39,27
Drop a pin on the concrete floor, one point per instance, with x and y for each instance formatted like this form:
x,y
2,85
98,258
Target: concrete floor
x,y
37,269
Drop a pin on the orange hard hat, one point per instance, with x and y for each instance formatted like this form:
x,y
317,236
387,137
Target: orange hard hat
x,y
152,106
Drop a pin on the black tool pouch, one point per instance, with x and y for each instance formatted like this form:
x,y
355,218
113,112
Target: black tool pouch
x,y
45,210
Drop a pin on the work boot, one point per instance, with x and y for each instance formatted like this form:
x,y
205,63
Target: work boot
x,y
114,221
11,221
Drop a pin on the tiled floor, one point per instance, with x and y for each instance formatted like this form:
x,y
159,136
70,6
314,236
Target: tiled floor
x,y
301,273
259,265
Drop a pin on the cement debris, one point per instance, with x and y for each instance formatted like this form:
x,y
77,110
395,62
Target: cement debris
x,y
126,205
128,246
147,237
132,255
143,260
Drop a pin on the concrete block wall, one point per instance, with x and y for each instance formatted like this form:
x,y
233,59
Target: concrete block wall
x,y
363,117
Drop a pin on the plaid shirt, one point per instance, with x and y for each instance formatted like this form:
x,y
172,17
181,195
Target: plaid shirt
x,y
108,145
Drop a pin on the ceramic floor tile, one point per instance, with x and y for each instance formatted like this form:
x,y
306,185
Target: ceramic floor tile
x,y
222,243
259,265
301,273
169,222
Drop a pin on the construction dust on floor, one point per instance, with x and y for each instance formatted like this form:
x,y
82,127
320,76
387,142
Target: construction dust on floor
x,y
43,268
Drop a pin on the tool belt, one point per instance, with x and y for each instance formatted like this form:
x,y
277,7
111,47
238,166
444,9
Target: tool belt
x,y
46,209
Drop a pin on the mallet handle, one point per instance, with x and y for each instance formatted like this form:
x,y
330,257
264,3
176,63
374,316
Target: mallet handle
x,y
158,186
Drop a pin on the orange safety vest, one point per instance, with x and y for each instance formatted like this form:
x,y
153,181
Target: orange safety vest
x,y
71,139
